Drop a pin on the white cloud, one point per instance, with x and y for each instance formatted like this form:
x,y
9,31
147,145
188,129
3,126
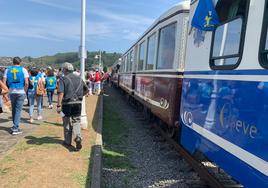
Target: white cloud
x,y
122,18
125,26
111,23
55,30
102,24
131,35
51,3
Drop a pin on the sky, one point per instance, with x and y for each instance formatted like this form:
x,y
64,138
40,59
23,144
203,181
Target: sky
x,y
46,27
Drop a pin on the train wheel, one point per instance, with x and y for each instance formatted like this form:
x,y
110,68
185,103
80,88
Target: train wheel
x,y
171,131
146,113
161,124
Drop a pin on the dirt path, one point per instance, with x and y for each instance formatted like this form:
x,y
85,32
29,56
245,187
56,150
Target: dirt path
x,y
39,160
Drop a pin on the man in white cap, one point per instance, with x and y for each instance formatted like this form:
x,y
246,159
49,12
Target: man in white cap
x,y
71,89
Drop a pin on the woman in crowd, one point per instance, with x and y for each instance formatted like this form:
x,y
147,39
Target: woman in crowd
x,y
50,86
3,92
34,80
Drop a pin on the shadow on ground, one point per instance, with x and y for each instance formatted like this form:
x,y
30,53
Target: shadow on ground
x,y
4,120
43,140
53,123
48,140
7,129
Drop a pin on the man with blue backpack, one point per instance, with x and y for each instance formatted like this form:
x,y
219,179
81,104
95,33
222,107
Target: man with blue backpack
x,y
16,78
50,86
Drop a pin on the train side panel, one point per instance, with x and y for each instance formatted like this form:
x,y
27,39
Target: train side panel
x,y
224,107
160,93
126,82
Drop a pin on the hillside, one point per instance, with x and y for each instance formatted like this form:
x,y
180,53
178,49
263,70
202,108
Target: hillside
x,y
56,60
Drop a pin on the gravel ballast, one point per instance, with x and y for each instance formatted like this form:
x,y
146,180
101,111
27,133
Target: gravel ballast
x,y
153,163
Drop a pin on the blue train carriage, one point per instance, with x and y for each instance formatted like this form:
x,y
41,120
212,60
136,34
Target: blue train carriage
x,y
224,108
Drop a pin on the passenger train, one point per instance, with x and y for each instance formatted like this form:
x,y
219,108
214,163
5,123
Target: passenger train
x,y
211,86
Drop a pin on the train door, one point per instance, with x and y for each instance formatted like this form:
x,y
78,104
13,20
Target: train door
x,y
224,106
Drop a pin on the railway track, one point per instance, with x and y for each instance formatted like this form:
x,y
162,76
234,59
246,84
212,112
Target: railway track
x,y
212,175
208,172
209,175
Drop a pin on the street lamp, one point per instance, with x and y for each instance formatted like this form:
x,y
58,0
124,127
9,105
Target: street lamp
x,y
99,57
83,56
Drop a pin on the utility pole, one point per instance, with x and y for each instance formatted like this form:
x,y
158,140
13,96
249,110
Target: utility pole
x,y
83,56
100,61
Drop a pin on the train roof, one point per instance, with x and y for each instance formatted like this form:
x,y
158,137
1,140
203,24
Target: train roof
x,y
182,6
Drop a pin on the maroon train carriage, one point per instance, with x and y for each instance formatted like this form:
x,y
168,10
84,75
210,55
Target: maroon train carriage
x,y
152,69
127,75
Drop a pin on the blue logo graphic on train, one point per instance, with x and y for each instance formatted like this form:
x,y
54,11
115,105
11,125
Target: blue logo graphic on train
x,y
205,17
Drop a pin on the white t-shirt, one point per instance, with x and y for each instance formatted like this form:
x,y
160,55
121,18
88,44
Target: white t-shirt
x,y
14,90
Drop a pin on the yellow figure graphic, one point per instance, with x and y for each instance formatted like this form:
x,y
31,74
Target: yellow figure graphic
x,y
208,19
14,71
34,81
50,82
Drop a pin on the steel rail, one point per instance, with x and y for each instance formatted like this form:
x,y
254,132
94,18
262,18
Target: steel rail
x,y
204,174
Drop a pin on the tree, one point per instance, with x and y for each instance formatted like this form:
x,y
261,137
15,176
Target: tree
x,y
105,69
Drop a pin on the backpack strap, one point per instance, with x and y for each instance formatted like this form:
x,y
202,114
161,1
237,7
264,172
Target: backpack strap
x,y
80,83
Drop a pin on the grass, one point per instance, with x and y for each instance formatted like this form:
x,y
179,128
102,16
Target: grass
x,y
115,132
80,179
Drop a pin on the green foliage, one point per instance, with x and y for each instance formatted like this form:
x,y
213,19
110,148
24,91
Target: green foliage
x,y
105,69
72,57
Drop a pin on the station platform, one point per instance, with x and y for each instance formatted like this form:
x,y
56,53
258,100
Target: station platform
x,y
37,157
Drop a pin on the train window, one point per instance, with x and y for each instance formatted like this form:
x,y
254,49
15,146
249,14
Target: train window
x,y
226,43
125,67
166,47
228,37
141,56
131,60
122,67
229,9
151,51
263,56
128,62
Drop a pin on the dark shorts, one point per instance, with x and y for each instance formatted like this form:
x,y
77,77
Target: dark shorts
x,y
71,109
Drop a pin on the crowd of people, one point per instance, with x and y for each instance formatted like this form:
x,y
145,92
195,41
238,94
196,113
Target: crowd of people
x,y
17,85
95,79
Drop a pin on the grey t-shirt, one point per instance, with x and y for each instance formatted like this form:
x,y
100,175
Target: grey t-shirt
x,y
65,86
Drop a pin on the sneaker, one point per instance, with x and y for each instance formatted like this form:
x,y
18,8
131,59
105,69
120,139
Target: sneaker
x,y
12,129
78,142
39,117
66,144
16,131
31,120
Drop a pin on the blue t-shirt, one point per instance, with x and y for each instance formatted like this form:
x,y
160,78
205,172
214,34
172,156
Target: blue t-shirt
x,y
51,83
33,81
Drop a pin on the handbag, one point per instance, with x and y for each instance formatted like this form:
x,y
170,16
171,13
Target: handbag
x,y
40,88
